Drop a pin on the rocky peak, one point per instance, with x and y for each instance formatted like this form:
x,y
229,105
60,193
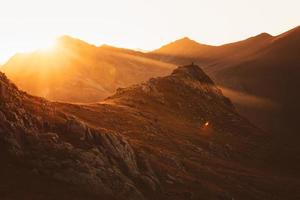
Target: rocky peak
x,y
192,72
186,85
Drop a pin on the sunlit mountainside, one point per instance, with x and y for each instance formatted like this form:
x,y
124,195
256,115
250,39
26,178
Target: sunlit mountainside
x,y
187,121
76,71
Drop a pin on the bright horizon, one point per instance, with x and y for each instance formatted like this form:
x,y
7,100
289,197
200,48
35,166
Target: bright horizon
x,y
139,24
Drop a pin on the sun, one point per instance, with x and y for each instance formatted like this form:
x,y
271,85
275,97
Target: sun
x,y
42,44
45,45
27,45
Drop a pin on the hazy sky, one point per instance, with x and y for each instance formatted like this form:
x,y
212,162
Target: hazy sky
x,y
145,24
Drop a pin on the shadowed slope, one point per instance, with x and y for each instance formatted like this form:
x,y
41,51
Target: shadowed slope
x,y
261,76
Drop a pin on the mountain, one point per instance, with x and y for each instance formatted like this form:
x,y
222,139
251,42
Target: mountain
x,y
97,71
260,75
272,73
187,50
184,48
147,141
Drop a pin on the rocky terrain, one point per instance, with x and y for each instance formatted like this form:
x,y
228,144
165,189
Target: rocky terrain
x,y
44,142
172,137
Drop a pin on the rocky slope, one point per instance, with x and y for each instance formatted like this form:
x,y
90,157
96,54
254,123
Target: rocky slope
x,y
272,74
39,142
194,142
174,137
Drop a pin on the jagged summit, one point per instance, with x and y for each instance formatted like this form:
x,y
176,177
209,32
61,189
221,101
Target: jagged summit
x,y
192,71
186,85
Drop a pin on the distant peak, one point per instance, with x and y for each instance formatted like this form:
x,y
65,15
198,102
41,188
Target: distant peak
x,y
183,45
66,39
185,39
69,41
265,35
261,36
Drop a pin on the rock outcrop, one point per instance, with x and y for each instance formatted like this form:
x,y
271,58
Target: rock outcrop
x,y
64,148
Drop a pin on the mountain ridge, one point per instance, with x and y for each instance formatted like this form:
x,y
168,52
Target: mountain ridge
x,y
140,148
268,70
73,63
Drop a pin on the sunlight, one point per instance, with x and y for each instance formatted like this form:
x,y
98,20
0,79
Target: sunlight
x,y
27,45
139,24
46,46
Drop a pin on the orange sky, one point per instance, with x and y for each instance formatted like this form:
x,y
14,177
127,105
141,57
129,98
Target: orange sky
x,y
146,24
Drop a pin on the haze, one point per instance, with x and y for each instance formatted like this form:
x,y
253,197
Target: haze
x,y
31,24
